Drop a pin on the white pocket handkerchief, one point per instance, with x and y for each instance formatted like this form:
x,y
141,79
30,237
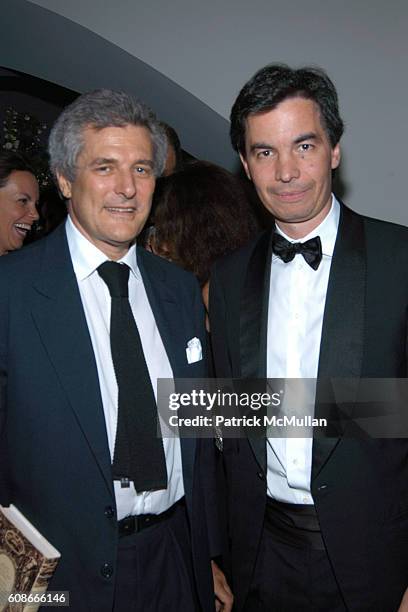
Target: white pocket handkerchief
x,y
194,351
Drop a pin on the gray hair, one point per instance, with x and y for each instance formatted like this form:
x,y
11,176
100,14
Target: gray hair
x,y
100,109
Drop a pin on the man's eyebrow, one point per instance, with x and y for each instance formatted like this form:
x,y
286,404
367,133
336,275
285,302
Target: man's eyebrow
x,y
260,145
102,160
145,162
306,136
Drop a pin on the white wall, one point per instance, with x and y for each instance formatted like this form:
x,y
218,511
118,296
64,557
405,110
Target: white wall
x,y
210,48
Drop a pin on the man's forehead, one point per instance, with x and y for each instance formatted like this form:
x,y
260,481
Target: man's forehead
x,y
99,133
110,140
297,114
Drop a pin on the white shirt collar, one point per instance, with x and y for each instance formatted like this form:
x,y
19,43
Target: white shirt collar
x,y
327,230
86,257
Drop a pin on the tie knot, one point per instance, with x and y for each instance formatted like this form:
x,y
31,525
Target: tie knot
x,y
116,276
311,249
297,247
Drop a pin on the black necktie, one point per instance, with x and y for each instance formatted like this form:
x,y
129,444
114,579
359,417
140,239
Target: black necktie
x,y
311,249
139,454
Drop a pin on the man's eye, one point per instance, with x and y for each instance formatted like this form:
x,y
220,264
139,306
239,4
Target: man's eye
x,y
266,153
143,170
23,201
305,146
103,169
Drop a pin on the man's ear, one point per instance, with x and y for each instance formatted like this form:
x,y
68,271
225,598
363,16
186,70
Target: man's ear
x,y
65,186
246,167
335,156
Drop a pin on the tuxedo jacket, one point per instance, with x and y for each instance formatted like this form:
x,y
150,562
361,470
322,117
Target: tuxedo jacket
x,y
58,470
359,484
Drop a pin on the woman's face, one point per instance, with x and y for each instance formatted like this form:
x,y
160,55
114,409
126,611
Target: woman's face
x,y
18,209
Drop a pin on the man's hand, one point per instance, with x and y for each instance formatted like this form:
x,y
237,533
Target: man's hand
x,y
403,605
223,595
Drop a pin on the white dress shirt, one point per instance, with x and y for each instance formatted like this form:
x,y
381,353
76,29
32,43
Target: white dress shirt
x,y
297,297
96,301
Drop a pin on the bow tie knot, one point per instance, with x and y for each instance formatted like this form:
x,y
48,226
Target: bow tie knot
x,y
311,250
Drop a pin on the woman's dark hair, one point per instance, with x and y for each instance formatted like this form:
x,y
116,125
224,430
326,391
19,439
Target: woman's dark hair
x,y
10,162
174,141
199,214
277,82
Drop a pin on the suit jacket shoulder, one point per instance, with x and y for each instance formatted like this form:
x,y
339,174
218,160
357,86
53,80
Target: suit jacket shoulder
x,y
159,267
238,259
387,239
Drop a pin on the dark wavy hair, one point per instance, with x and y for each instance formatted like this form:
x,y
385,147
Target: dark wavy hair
x,y
11,162
174,141
199,214
277,82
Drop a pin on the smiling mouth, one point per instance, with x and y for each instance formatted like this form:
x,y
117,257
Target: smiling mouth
x,y
116,210
291,196
22,229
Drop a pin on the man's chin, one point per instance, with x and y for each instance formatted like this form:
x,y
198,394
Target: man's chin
x,y
123,241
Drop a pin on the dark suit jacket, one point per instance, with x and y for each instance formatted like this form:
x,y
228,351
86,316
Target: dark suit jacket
x,y
359,486
59,469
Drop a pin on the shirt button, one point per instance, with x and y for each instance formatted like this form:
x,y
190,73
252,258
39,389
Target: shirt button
x,y
295,462
305,500
261,475
109,512
107,571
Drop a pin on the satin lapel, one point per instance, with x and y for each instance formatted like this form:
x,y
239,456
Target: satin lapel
x,y
59,317
162,296
254,324
254,310
341,349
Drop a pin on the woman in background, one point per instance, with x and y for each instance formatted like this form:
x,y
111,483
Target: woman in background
x,y
19,194
199,214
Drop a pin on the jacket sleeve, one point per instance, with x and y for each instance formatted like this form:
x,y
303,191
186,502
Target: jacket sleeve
x,y
218,327
4,488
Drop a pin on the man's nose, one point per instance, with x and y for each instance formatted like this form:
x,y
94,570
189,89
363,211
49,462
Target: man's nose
x,y
286,168
126,184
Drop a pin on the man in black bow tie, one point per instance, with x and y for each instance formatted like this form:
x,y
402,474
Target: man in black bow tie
x,y
315,523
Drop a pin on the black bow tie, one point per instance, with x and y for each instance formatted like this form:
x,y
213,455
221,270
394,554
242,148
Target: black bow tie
x,y
311,249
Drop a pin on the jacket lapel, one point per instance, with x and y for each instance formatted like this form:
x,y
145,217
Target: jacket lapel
x,y
254,310
254,325
341,349
59,317
162,294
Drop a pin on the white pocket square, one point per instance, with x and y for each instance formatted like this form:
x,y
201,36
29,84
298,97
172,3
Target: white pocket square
x,y
193,350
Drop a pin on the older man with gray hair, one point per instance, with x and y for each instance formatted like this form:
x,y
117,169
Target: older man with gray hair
x,y
88,323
